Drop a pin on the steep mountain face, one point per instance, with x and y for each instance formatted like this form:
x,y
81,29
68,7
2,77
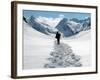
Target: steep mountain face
x,y
75,20
86,23
73,26
64,28
76,27
49,29
39,27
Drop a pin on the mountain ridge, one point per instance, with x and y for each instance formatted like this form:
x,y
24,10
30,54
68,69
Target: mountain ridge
x,y
66,27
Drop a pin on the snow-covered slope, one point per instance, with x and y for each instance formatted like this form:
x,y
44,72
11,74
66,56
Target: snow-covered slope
x,y
63,56
50,21
73,27
42,27
64,28
86,23
37,25
38,46
82,36
31,32
76,27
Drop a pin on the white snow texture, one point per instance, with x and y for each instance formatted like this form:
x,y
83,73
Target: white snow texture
x,y
37,47
63,56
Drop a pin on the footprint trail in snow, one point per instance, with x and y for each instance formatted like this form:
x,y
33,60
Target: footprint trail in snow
x,y
63,56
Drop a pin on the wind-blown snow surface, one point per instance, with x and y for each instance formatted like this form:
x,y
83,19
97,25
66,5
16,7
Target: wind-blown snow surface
x,y
37,47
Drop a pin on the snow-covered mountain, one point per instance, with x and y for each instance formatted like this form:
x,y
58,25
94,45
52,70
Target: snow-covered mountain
x,y
73,26
86,23
50,21
69,27
41,27
76,27
66,27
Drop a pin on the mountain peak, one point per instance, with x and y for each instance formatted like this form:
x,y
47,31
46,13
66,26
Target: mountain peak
x,y
64,20
75,20
64,28
32,17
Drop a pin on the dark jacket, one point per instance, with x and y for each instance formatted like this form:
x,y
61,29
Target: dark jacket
x,y
58,35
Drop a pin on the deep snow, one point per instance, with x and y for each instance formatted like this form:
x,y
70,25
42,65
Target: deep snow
x,y
63,56
37,47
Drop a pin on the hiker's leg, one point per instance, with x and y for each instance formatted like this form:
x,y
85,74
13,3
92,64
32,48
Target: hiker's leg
x,y
58,40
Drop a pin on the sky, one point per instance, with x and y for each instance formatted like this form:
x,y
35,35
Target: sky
x,y
55,14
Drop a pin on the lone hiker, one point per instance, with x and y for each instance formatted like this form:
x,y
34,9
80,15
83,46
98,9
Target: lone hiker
x,y
58,37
